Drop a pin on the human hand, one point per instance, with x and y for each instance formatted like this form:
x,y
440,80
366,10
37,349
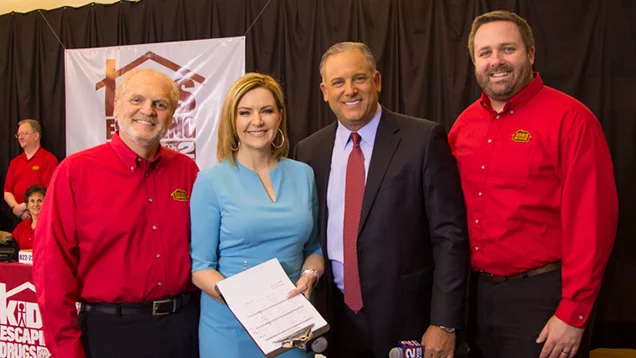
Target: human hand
x,y
304,285
561,339
438,343
19,210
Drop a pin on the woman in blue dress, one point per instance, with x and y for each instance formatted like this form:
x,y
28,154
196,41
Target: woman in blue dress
x,y
253,206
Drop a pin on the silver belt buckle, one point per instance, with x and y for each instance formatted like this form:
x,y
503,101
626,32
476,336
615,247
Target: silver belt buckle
x,y
157,304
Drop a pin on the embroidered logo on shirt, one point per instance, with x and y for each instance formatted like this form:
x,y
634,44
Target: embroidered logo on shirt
x,y
179,195
36,167
521,136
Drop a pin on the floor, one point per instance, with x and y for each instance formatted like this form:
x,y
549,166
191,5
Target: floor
x,y
613,353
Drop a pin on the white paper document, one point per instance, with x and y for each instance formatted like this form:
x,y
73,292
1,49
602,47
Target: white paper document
x,y
258,299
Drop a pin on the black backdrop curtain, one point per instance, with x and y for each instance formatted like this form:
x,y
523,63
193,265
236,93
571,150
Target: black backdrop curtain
x,y
584,48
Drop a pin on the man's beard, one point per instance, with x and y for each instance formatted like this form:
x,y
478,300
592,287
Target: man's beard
x,y
518,81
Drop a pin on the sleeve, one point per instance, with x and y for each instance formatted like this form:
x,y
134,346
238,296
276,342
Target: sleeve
x,y
452,136
9,181
446,212
589,215
205,214
312,246
49,167
17,232
55,262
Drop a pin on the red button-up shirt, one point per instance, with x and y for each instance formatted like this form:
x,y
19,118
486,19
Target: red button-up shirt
x,y
23,234
24,172
113,228
539,188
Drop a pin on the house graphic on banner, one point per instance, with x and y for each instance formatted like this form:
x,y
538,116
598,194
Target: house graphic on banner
x,y
203,71
182,133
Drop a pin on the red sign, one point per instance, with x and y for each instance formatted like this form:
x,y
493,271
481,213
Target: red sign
x,y
20,321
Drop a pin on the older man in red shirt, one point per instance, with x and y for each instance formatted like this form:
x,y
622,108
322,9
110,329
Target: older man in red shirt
x,y
114,235
540,195
33,167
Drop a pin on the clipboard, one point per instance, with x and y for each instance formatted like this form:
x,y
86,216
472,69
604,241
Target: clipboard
x,y
257,297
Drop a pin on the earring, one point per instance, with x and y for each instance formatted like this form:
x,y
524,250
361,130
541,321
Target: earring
x,y
238,144
281,143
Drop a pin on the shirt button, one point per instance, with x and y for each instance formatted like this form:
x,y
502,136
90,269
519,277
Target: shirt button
x,y
139,159
150,200
512,112
154,227
132,168
146,174
476,248
483,167
477,221
497,117
489,140
159,283
580,317
157,255
479,193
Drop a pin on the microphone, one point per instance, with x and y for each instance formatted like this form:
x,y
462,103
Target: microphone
x,y
407,349
318,345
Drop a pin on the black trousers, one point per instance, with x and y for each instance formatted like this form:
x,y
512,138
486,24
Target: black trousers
x,y
349,331
506,318
171,336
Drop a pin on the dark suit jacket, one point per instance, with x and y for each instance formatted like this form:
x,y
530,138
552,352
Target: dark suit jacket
x,y
412,241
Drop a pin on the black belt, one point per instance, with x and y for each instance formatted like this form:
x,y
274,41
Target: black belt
x,y
538,271
160,307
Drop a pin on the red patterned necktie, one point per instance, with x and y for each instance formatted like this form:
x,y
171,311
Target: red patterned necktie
x,y
354,191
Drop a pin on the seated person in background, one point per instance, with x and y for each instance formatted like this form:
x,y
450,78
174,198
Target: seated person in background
x,y
23,233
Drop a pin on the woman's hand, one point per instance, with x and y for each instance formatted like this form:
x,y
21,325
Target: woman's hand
x,y
305,284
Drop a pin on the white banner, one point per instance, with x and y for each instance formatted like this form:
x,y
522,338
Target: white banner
x,y
203,70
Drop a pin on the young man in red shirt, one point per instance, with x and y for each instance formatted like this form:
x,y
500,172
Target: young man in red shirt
x,y
540,196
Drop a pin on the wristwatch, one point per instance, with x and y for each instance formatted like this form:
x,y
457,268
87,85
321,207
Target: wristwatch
x,y
447,329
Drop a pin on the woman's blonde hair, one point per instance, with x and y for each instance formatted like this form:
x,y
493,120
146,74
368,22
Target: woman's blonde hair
x,y
228,139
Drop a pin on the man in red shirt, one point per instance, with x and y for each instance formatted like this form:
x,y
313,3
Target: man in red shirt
x,y
33,167
541,199
114,234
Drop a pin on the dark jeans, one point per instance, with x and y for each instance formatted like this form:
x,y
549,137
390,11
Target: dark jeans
x,y
170,336
506,318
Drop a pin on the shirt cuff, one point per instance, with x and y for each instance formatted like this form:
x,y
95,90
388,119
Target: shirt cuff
x,y
575,314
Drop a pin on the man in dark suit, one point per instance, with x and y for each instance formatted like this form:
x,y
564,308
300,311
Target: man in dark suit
x,y
392,222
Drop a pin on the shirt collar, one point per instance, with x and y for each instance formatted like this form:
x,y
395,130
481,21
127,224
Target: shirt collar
x,y
37,153
517,100
367,133
130,158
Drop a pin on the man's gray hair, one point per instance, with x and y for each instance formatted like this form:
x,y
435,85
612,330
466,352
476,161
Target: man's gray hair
x,y
341,47
123,84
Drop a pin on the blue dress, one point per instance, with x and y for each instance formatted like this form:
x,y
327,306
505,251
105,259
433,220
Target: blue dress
x,y
235,226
